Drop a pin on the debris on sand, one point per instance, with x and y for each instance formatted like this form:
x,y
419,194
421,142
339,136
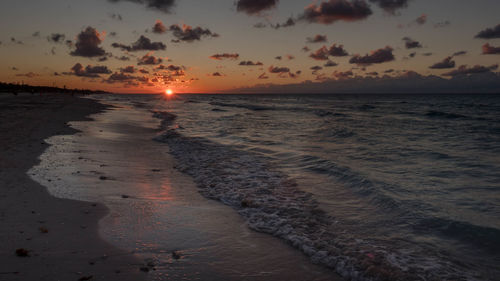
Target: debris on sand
x,y
21,252
43,229
176,255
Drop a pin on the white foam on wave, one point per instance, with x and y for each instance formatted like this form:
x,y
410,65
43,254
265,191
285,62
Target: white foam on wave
x,y
272,203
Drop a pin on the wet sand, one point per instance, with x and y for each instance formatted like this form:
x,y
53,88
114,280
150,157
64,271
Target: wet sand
x,y
60,236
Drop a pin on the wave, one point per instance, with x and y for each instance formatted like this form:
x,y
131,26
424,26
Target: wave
x,y
272,203
254,107
440,114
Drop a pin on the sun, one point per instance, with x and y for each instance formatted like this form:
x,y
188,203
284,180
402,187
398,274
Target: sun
x,y
169,92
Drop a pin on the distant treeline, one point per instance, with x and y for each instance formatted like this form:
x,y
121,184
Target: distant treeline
x,y
23,88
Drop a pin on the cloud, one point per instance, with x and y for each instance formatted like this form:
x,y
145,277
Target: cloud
x,y
334,10
406,82
250,63
87,43
28,75
442,24
464,70
56,38
263,76
330,63
489,33
278,58
277,69
260,25
117,17
189,34
216,74
421,20
305,49
36,34
89,71
377,56
342,74
446,63
128,69
160,5
159,27
317,39
225,56
120,78
288,23
490,50
142,44
411,44
323,53
171,67
253,7
391,6
459,53
149,59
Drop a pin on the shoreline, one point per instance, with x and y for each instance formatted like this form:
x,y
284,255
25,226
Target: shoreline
x,y
61,236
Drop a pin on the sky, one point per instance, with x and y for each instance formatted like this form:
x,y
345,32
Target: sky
x,y
200,46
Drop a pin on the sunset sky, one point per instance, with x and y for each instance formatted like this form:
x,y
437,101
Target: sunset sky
x,y
146,46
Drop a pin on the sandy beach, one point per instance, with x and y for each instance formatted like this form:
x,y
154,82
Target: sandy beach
x,y
60,236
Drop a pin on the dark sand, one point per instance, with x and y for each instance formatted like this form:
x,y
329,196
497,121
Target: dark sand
x,y
71,248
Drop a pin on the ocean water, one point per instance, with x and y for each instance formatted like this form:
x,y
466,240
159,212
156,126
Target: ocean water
x,y
372,186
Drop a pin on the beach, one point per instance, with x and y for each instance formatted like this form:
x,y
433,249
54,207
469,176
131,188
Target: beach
x,y
60,235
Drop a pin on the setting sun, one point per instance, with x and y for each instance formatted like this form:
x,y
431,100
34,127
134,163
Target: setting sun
x,y
169,92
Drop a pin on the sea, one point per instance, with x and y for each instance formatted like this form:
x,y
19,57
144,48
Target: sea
x,y
368,187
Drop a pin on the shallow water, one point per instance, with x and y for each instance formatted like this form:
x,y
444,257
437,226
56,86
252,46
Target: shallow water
x,y
400,186
155,210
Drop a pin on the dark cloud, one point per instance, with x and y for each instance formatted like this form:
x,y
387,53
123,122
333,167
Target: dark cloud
x,y
276,69
411,44
89,71
113,34
412,55
260,25
250,63
15,41
406,82
317,39
489,33
490,50
316,67
305,49
323,53
189,34
117,17
142,44
334,10
391,6
128,69
161,5
459,53
421,20
36,34
28,75
123,58
446,63
427,54
87,44
389,71
216,74
288,23
442,24
278,58
170,67
149,59
464,70
342,74
377,56
120,77
373,73
263,76
253,7
330,63
290,57
225,56
56,37
159,27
